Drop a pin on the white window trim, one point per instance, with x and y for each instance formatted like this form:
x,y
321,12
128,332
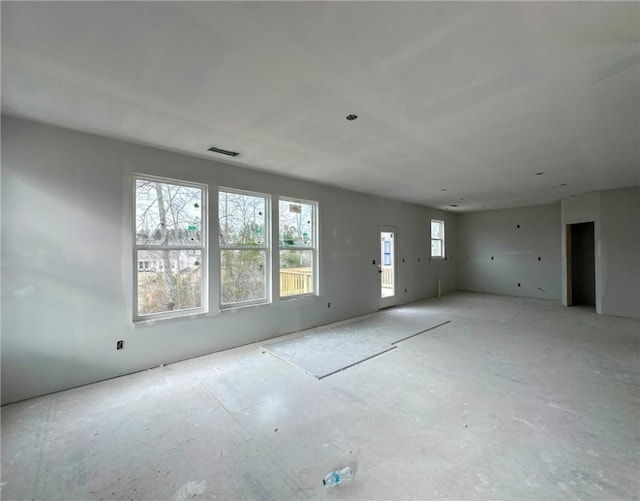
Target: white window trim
x,y
203,248
438,239
267,249
314,248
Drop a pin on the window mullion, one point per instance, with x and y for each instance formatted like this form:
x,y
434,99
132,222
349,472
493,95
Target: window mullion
x,y
169,248
228,247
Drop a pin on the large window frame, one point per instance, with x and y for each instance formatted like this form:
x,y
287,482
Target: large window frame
x,y
264,248
436,238
311,247
201,246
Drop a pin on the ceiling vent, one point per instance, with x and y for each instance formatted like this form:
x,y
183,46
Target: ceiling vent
x,y
224,152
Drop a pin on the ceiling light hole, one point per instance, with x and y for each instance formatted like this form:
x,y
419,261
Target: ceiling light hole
x,y
351,117
539,173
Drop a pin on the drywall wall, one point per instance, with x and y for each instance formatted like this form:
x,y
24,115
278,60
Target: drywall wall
x,y
617,247
620,247
67,267
514,252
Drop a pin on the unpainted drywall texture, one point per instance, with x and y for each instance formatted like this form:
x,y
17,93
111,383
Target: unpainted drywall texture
x,y
620,249
514,252
67,266
617,247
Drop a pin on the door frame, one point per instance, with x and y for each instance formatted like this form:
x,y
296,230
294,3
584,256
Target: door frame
x,y
569,265
390,301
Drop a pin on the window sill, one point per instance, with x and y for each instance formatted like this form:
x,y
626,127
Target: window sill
x,y
237,307
148,322
298,296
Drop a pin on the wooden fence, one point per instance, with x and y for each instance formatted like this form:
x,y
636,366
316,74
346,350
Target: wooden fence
x,y
296,281
387,277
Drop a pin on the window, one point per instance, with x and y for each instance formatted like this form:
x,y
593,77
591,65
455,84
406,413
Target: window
x,y
437,238
244,248
169,249
298,247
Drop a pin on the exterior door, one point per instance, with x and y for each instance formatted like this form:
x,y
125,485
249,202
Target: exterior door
x,y
387,273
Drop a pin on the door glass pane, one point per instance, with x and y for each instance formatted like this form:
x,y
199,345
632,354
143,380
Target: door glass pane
x,y
243,275
387,265
169,280
296,272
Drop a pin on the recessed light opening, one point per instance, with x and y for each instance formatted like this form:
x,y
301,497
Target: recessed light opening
x,y
352,117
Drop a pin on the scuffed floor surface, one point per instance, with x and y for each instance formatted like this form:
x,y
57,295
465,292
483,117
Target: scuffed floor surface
x,y
514,399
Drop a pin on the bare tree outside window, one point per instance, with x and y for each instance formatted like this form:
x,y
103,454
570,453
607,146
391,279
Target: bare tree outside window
x,y
244,244
169,247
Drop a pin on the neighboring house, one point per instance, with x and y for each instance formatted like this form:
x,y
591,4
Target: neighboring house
x,y
151,261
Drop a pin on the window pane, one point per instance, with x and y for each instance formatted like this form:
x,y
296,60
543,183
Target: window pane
x,y
296,272
244,275
296,224
168,214
437,229
436,248
242,219
169,280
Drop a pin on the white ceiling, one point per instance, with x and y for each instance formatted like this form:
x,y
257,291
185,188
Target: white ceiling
x,y
474,98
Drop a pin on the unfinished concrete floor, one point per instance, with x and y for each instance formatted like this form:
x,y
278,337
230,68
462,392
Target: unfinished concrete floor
x,y
514,399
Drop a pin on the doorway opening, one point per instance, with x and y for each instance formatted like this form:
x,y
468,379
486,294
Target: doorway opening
x,y
387,267
581,268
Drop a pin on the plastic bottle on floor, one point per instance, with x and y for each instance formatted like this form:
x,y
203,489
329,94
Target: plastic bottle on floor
x,y
337,477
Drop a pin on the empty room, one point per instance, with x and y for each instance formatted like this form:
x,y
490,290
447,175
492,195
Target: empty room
x,y
320,250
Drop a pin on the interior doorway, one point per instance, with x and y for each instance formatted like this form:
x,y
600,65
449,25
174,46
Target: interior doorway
x,y
581,268
387,267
